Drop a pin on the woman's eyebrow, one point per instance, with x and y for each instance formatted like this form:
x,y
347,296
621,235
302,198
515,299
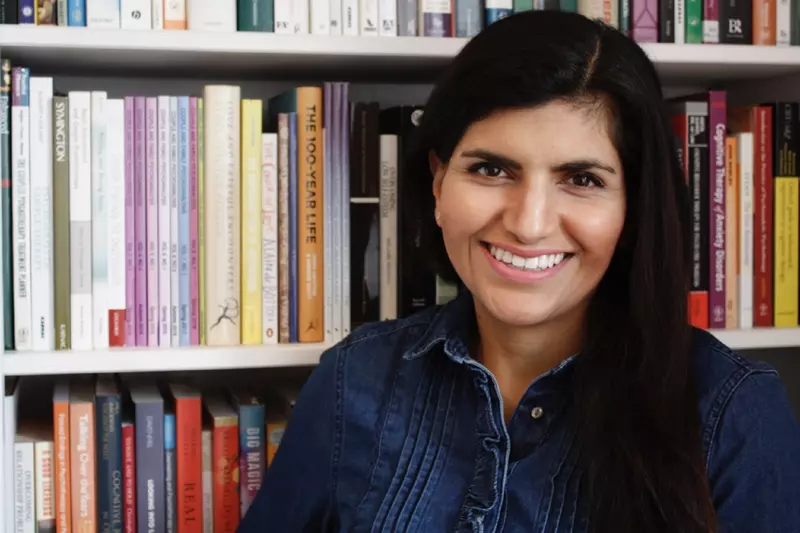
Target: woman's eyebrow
x,y
492,157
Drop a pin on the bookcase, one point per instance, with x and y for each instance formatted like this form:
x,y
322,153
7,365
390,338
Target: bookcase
x,y
392,71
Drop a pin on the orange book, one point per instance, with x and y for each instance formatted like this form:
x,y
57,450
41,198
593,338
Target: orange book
x,y
764,24
61,448
82,457
189,458
224,462
731,234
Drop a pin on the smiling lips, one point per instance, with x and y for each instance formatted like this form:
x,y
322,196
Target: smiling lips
x,y
525,269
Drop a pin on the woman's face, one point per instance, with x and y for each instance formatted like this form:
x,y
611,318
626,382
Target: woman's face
x,y
531,206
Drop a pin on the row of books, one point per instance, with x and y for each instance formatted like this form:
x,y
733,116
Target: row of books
x,y
743,177
761,22
107,453
203,220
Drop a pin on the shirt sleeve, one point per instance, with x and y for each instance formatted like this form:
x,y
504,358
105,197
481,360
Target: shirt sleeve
x,y
297,492
754,471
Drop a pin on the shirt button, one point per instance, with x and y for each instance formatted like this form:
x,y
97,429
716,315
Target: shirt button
x,y
536,413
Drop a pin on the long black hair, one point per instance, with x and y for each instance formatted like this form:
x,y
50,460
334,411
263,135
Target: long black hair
x,y
633,389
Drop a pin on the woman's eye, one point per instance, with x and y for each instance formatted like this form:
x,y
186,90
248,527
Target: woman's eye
x,y
488,170
586,180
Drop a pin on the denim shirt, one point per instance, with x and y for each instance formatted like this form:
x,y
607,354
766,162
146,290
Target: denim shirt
x,y
398,429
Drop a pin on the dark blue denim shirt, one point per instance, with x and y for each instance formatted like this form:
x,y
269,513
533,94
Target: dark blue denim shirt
x,y
398,429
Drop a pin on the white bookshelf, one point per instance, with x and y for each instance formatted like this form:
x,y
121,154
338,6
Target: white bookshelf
x,y
380,66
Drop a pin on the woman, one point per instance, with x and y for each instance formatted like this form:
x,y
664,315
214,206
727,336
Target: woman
x,y
563,390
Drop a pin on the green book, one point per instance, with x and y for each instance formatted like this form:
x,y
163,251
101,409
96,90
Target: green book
x,y
255,15
5,198
694,21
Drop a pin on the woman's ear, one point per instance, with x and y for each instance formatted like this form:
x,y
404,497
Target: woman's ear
x,y
437,171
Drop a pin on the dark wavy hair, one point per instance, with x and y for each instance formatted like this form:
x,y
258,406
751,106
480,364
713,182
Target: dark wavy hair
x,y
633,388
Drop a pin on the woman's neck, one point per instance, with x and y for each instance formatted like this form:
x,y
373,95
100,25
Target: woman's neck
x,y
518,355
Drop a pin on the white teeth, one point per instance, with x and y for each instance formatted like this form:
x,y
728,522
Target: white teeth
x,y
538,263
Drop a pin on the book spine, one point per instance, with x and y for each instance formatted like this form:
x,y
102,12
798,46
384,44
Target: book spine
x,y
189,418
736,21
763,219
170,465
327,129
164,330
269,237
61,286
9,14
666,20
213,15
407,19
6,209
61,12
157,12
208,481
103,14
251,275
136,14
76,10
174,178
746,230
350,16
222,213
284,279
150,466
194,333
99,244
388,227
731,234
45,504
24,507
130,226
284,24
786,215
345,209
716,290
320,17
151,223
226,482
140,217
335,7
27,12
117,282
698,149
645,20
129,477
109,463
84,467
783,22
201,251
368,23
711,21
469,18
41,135
183,220
62,448
680,21
20,161
387,9
694,21
175,15
335,205
80,212
436,19
252,454
294,281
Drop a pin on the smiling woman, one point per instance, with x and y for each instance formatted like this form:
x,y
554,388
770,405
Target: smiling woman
x,y
563,390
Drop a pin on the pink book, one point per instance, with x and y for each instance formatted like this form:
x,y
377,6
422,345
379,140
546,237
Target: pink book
x,y
194,289
140,219
152,220
130,230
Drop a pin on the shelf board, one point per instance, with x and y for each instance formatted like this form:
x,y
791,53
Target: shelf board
x,y
248,55
189,358
759,338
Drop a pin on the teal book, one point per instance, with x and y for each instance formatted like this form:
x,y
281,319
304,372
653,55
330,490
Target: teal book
x,y
255,15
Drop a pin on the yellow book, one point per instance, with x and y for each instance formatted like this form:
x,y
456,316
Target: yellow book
x,y
251,221
731,234
786,253
201,253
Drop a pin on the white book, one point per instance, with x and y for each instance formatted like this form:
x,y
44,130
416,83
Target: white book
x,y
269,237
351,19
211,15
282,12
157,14
44,461
746,209
136,14
335,7
320,17
99,246
783,23
103,14
387,9
327,211
174,281
115,195
41,142
21,204
301,16
680,21
388,227
333,202
24,488
368,18
164,218
9,434
80,219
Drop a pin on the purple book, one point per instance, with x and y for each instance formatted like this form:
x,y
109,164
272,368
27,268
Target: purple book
x,y
711,21
716,180
194,301
140,219
130,230
151,183
645,21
